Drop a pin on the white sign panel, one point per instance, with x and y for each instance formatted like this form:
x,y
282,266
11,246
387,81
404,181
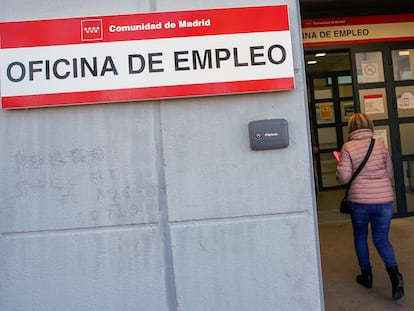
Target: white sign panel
x,y
145,56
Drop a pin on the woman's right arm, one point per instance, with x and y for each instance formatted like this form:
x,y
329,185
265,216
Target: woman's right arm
x,y
344,167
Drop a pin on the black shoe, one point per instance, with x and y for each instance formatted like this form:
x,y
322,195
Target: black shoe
x,y
396,282
365,278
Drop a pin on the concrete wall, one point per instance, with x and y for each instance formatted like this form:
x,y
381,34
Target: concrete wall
x,y
157,205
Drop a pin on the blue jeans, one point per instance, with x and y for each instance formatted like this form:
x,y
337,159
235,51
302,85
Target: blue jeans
x,y
379,216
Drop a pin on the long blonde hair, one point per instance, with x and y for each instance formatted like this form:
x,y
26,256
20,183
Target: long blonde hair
x,y
360,121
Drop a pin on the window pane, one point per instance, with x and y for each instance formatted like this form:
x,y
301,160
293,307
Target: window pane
x,y
403,64
327,138
407,141
322,89
369,67
347,110
409,184
383,132
328,169
405,101
345,90
345,134
374,103
325,113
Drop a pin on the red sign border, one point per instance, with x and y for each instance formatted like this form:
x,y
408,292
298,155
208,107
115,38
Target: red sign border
x,y
149,93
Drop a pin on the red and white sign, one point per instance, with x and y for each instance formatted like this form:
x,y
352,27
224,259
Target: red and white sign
x,y
357,29
145,56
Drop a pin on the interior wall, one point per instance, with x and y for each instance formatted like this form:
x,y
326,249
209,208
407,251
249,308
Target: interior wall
x,y
157,205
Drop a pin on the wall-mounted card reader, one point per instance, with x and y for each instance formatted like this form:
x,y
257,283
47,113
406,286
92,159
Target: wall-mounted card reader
x,y
268,134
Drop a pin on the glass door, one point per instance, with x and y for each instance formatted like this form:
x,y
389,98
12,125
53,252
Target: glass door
x,y
331,104
385,90
403,98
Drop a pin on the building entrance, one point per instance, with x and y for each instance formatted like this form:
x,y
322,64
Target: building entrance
x,y
384,88
374,79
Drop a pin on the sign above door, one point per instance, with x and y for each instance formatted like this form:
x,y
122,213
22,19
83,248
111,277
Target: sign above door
x,y
357,29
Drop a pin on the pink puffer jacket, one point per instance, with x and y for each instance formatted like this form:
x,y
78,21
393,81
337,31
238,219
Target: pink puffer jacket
x,y
373,185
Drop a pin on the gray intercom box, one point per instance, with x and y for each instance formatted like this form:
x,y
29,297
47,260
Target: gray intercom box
x,y
268,134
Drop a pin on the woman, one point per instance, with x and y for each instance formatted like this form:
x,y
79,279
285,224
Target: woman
x,y
371,199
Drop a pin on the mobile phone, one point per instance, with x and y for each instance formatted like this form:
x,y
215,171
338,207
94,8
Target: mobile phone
x,y
337,155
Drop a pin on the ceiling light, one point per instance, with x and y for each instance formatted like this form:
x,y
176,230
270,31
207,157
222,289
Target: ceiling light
x,y
320,54
311,62
404,53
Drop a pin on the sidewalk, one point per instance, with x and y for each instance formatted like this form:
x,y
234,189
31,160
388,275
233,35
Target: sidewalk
x,y
339,269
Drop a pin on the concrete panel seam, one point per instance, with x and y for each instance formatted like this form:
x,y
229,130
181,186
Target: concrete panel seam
x,y
77,231
164,227
244,218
